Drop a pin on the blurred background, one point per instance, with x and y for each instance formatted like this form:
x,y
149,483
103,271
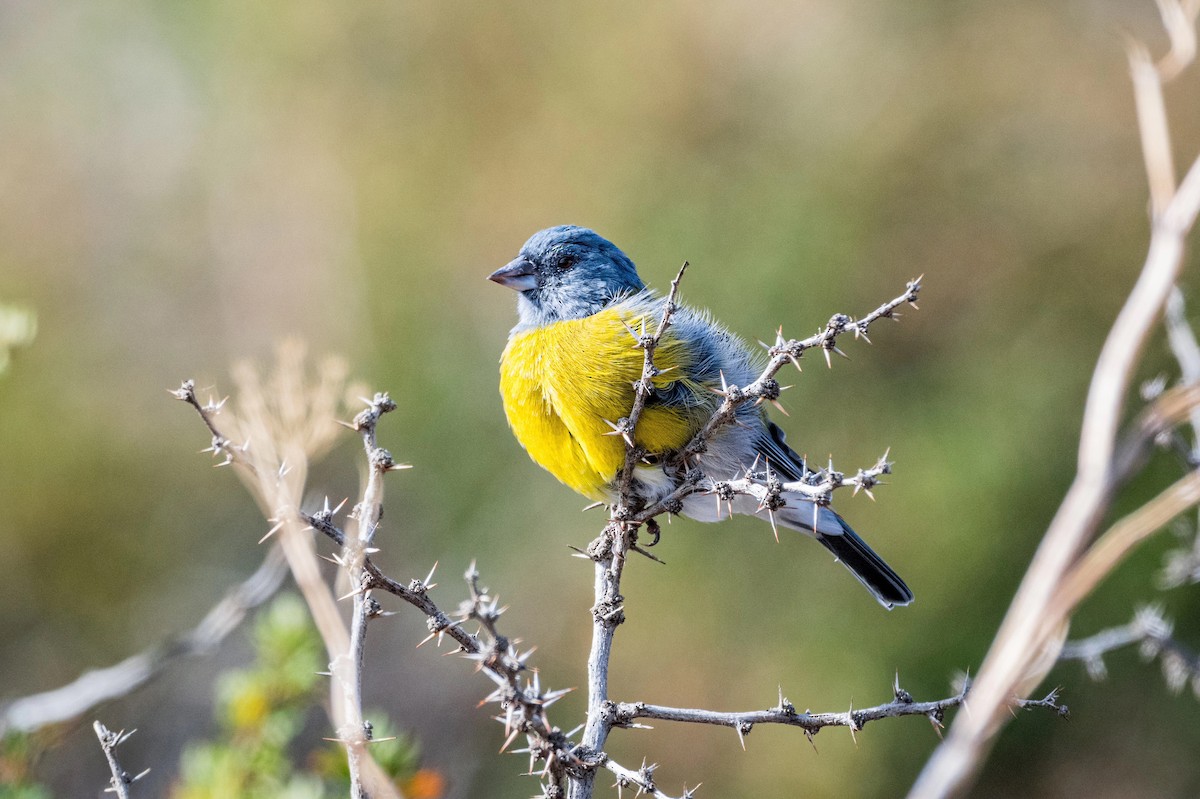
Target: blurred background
x,y
184,184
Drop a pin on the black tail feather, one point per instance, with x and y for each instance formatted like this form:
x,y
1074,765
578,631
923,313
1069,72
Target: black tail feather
x,y
846,546
869,568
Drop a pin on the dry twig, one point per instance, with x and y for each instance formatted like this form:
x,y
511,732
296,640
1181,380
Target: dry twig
x,y
1151,632
1031,635
121,779
610,550
121,679
269,438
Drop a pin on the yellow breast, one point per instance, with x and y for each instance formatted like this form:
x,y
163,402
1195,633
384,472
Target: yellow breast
x,y
562,381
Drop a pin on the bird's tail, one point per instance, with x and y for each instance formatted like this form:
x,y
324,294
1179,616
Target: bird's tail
x,y
838,537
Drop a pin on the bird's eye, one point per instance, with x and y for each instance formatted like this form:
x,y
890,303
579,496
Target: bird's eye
x,y
564,262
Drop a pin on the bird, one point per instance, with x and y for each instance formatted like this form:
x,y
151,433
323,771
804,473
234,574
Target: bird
x,y
568,372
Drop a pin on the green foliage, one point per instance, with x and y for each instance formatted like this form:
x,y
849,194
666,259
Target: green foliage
x,y
262,709
27,791
18,753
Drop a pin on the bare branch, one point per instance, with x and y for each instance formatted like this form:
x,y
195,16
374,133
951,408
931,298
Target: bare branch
x,y
609,551
642,780
1029,639
790,351
121,779
1049,702
348,668
819,486
220,444
644,387
1116,544
1179,20
284,422
1152,120
786,714
523,704
1151,632
101,685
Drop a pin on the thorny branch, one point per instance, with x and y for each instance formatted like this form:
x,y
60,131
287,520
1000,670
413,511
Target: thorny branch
x,y
347,669
902,704
1151,632
644,387
609,553
782,352
762,484
610,550
818,486
109,741
282,425
523,701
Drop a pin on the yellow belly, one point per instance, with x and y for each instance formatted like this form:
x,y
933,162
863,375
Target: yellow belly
x,y
562,381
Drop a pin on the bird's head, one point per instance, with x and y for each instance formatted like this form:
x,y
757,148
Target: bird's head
x,y
567,272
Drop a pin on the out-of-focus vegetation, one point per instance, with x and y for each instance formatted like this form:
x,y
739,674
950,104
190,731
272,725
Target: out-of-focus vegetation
x,y
262,711
18,326
19,755
183,184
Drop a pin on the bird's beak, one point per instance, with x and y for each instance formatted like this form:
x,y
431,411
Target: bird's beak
x,y
518,275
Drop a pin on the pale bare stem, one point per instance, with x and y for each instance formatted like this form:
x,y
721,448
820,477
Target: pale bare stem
x,y
522,703
1119,541
1179,20
1152,121
1151,632
355,731
1031,636
278,425
785,713
101,685
609,552
277,439
1183,566
121,779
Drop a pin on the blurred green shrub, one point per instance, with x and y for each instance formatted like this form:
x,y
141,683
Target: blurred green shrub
x,y
263,708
